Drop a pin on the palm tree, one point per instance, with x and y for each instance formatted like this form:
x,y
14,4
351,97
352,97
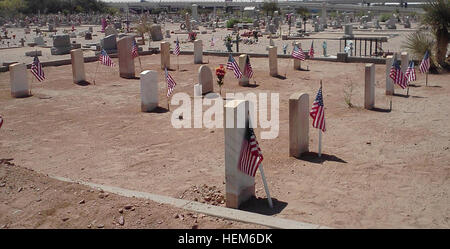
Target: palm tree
x,y
437,16
418,43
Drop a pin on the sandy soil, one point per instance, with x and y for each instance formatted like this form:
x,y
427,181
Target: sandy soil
x,y
380,169
32,200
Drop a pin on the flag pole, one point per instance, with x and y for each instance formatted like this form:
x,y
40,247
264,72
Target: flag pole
x,y
140,63
178,63
320,133
426,78
269,199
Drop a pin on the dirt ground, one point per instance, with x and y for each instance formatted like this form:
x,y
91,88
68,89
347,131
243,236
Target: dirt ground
x,y
379,169
33,200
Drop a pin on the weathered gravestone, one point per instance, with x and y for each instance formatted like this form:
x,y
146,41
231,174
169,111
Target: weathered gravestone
x,y
149,90
61,45
19,81
389,82
165,55
244,80
298,124
239,186
109,44
126,60
78,72
205,79
369,88
156,33
198,52
273,61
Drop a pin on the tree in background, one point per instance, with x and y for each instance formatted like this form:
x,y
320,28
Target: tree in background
x,y
302,11
270,7
12,7
418,43
437,16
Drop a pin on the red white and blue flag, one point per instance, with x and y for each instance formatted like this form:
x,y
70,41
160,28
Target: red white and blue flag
x,y
297,53
317,112
397,75
251,156
36,69
231,64
177,48
170,83
134,50
425,64
105,59
411,72
248,70
311,50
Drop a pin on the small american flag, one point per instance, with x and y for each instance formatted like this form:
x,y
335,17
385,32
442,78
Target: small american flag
x,y
36,69
231,64
177,48
411,72
311,50
1,121
134,50
170,83
251,156
248,70
317,112
397,75
105,60
297,53
425,64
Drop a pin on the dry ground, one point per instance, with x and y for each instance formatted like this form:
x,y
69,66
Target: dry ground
x,y
379,169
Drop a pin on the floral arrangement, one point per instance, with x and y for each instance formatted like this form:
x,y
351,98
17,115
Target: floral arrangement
x,y
192,36
220,73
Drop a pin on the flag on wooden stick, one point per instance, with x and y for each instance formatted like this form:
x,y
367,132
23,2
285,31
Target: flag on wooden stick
x,y
251,156
177,48
36,69
317,112
105,59
411,72
170,83
425,63
134,50
297,53
248,70
397,75
311,50
231,64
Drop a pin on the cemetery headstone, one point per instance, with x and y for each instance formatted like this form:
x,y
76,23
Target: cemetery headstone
x,y
369,87
61,45
298,124
19,81
77,59
205,79
149,90
126,61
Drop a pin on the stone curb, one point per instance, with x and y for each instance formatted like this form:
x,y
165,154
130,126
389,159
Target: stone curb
x,y
350,59
222,212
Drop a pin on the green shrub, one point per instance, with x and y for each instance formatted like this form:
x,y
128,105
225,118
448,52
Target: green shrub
x,y
384,17
232,22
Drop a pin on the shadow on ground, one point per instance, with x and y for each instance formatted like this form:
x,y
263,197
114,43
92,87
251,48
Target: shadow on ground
x,y
313,157
261,206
